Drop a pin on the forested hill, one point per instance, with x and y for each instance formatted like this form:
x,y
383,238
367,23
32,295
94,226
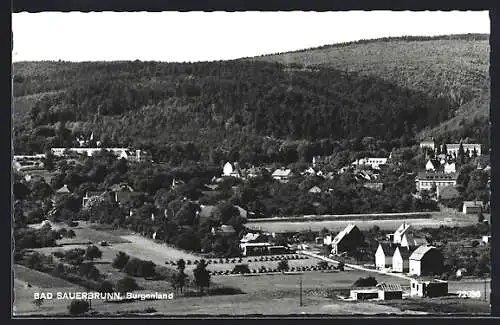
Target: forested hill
x,y
218,107
453,66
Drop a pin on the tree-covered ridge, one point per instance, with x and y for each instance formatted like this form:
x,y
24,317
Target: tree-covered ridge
x,y
453,66
190,101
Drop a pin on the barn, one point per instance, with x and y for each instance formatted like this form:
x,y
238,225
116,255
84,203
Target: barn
x,y
426,260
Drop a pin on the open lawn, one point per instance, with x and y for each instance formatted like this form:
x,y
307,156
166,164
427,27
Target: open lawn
x,y
391,225
85,233
39,279
443,305
261,284
148,249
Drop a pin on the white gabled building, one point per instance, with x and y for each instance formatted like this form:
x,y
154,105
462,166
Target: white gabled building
x,y
429,166
372,162
450,168
400,232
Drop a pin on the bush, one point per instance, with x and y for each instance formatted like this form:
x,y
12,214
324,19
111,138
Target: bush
x,y
58,254
254,271
215,262
77,307
241,269
93,252
365,282
283,266
126,284
137,267
188,262
120,260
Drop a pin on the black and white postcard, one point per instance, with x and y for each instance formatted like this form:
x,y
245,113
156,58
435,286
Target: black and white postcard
x,y
170,164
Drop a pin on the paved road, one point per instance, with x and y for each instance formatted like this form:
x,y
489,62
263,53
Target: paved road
x,y
356,267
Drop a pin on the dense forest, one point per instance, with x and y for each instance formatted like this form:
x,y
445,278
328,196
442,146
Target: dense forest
x,y
222,105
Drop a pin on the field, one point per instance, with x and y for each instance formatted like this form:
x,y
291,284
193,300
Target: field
x,y
267,294
335,226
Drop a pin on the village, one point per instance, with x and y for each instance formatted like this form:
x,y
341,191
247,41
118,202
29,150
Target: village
x,y
412,252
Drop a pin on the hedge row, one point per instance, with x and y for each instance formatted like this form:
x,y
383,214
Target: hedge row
x,y
274,270
240,260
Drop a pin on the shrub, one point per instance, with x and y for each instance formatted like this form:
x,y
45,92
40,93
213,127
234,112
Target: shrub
x,y
365,282
240,260
196,262
77,307
254,271
215,262
241,269
127,284
283,266
58,254
121,260
221,261
188,262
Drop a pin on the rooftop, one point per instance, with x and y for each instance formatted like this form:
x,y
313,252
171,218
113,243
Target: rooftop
x,y
420,252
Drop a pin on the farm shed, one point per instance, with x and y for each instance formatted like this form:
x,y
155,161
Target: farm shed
x,y
390,291
429,288
472,207
364,294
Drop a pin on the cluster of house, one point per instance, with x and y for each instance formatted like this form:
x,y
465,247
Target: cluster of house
x,y
450,150
125,153
404,253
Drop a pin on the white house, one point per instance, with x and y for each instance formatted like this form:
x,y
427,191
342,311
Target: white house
x,y
429,166
282,174
398,234
452,148
410,241
401,260
426,180
309,172
383,255
486,239
372,162
427,144
450,168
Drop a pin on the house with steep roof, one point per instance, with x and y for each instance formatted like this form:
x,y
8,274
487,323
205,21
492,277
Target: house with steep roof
x,y
383,255
426,260
429,166
347,240
398,234
401,259
410,241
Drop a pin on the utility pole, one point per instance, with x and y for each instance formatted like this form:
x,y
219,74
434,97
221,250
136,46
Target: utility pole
x,y
301,291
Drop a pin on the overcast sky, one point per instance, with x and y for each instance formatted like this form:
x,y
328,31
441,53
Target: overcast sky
x,y
200,36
